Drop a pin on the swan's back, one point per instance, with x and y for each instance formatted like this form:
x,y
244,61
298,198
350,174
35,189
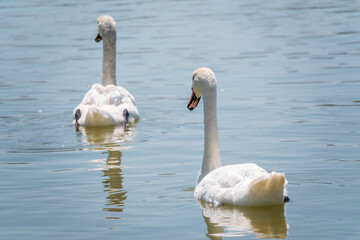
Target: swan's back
x,y
242,184
109,95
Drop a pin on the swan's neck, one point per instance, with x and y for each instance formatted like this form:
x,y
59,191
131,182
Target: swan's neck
x,y
109,60
211,159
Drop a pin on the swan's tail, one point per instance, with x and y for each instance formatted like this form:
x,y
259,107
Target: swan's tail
x,y
267,191
96,116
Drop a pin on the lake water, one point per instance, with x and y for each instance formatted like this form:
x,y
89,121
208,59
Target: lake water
x,y
288,100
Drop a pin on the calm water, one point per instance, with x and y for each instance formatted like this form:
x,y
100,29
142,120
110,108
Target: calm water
x,y
288,99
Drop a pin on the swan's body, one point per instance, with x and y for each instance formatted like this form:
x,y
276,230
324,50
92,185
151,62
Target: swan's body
x,y
240,184
106,104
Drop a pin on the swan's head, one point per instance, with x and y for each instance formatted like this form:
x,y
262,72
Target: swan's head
x,y
106,25
203,80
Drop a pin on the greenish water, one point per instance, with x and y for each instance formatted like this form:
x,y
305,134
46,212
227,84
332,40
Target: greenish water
x,y
288,100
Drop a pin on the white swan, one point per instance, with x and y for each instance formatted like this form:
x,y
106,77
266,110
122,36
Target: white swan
x,y
106,104
241,184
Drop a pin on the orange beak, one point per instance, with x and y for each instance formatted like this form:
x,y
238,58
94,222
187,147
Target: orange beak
x,y
193,101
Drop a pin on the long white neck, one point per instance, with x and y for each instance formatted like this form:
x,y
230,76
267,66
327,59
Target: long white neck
x,y
211,159
109,60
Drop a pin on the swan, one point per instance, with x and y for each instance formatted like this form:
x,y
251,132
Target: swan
x,y
240,184
106,104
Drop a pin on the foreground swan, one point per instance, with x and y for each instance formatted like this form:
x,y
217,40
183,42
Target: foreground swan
x,y
241,184
106,104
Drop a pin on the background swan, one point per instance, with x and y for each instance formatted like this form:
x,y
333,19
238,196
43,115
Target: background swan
x,y
240,184
106,104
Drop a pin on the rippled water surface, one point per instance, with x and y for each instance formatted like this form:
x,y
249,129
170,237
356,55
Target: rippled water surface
x,y
288,100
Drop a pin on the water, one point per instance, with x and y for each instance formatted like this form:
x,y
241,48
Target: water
x,y
288,100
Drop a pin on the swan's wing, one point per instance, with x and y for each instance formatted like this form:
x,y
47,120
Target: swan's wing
x,y
122,98
241,184
93,95
218,184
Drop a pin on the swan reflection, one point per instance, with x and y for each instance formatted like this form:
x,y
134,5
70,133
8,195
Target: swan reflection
x,y
226,221
106,138
112,140
113,183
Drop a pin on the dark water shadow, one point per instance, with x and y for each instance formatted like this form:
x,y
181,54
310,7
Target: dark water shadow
x,y
234,221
